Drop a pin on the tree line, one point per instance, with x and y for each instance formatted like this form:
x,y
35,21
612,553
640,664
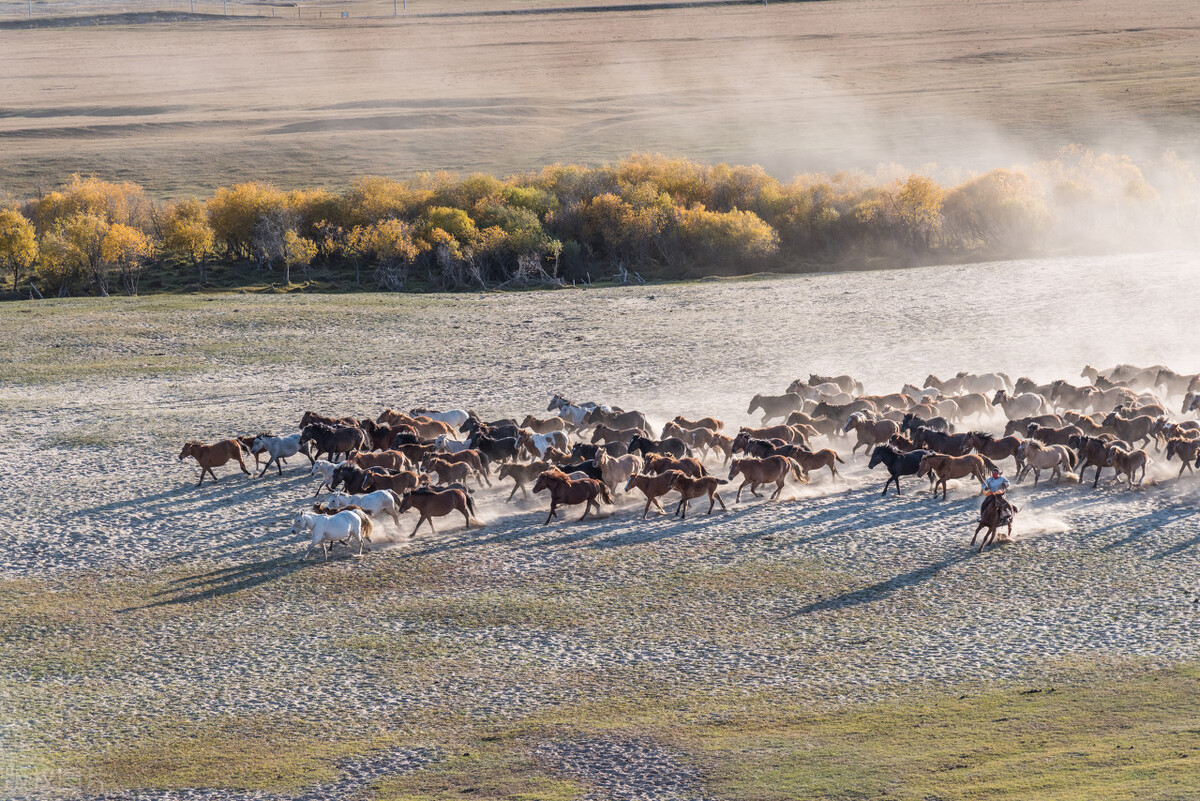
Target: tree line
x,y
647,215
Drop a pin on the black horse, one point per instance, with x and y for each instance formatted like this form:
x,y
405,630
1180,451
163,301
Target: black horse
x,y
912,422
582,450
589,467
351,475
472,423
671,446
898,463
334,441
497,449
616,419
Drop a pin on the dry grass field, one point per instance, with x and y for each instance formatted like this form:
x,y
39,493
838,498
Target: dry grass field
x,y
185,106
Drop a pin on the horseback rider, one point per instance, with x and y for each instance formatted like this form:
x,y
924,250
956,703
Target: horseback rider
x,y
995,488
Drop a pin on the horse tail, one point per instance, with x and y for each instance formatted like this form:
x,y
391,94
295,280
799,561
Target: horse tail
x,y
367,525
795,469
395,497
988,463
470,503
1072,458
606,495
835,456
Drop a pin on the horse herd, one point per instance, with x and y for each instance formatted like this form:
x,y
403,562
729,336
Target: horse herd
x,y
585,453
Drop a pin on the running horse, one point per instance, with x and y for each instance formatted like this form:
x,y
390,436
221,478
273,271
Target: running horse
x,y
992,519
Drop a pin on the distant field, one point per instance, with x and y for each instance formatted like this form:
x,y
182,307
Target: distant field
x,y
185,106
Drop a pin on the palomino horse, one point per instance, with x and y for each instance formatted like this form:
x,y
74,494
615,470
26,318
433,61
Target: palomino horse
x,y
432,502
564,491
948,467
772,470
617,471
993,518
1038,456
215,455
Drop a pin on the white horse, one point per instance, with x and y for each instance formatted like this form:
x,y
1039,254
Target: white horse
x,y
328,529
453,417
920,394
444,443
279,448
324,469
373,503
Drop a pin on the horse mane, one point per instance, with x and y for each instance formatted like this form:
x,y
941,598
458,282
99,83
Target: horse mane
x,y
555,473
983,435
195,442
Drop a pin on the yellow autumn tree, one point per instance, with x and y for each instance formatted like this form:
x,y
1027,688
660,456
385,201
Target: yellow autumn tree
x,y
185,231
128,249
18,243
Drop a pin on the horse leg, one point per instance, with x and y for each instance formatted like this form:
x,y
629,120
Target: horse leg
x,y
646,511
394,512
587,507
201,481
419,522
739,492
754,489
976,534
1097,481
551,513
778,488
511,494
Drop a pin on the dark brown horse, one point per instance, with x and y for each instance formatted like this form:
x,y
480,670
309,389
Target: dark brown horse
x,y
565,492
433,502
993,518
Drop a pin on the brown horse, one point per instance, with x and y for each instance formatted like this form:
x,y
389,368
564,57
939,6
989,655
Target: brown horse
x,y
653,487
711,423
690,488
1127,463
215,455
400,482
1186,449
392,460
543,426
471,457
815,460
449,472
522,474
948,467
996,449
756,472
723,443
993,518
870,432
433,502
564,491
688,465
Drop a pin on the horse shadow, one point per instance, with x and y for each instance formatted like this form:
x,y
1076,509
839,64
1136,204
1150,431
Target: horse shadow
x,y
226,581
882,589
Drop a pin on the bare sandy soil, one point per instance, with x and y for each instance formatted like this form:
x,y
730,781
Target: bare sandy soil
x,y
833,595
183,107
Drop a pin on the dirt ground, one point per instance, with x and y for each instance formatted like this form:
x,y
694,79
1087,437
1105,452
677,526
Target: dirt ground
x,y
138,606
186,106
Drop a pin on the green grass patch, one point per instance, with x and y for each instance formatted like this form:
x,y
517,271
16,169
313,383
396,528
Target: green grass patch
x,y
496,766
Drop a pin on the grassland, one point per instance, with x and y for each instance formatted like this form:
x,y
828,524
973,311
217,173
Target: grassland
x,y
155,635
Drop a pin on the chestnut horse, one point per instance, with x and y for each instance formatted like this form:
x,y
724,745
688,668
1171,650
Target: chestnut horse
x,y
566,492
653,487
815,460
993,518
690,488
215,455
521,474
